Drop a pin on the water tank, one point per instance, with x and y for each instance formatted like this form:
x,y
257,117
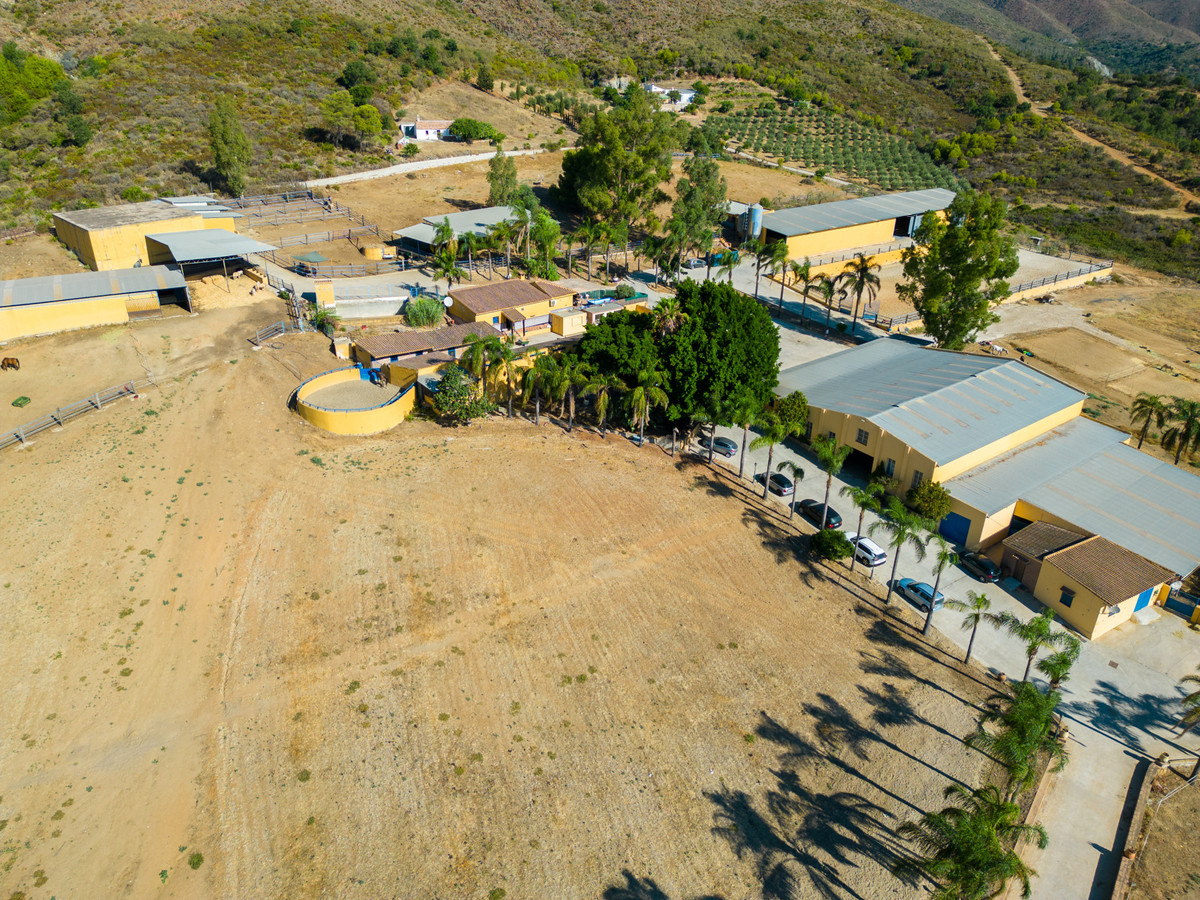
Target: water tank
x,y
756,214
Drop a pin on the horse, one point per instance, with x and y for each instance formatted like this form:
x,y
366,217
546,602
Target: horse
x,y
10,362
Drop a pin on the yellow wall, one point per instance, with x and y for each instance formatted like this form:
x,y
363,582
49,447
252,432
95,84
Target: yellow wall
x,y
568,323
836,239
226,223
880,445
352,422
123,246
323,291
141,301
1066,285
994,449
47,318
1087,613
529,310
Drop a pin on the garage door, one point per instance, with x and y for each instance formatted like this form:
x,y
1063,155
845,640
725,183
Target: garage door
x,y
955,528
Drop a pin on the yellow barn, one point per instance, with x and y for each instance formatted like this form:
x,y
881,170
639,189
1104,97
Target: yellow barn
x,y
519,307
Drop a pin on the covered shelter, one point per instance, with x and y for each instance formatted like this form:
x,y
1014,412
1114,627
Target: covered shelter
x,y
203,249
53,303
421,237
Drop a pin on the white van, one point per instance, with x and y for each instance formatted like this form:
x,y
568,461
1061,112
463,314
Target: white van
x,y
866,551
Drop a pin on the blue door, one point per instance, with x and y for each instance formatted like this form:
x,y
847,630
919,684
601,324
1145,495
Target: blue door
x,y
1143,599
955,528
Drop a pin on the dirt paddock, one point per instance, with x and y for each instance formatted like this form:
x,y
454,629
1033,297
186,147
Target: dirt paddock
x,y
251,659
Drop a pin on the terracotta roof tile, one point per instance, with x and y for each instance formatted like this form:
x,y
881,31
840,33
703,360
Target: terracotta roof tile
x,y
406,343
1040,538
486,298
1108,570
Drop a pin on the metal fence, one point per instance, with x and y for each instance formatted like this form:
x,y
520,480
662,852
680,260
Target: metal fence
x,y
64,414
1050,280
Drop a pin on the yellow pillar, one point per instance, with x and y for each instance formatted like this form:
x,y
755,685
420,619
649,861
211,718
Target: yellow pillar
x,y
324,291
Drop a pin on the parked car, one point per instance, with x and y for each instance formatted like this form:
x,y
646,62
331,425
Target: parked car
x,y
919,593
780,484
866,551
814,511
695,263
980,566
722,446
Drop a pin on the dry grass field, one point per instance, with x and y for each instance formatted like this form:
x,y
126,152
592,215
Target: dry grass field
x,y
443,662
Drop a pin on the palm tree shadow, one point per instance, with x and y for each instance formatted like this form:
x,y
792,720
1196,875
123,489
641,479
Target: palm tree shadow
x,y
885,632
1126,718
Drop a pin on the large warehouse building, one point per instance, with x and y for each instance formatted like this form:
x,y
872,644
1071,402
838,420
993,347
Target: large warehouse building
x,y
844,225
1009,444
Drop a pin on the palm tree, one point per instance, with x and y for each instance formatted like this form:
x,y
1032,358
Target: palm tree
x,y
648,394
976,607
1036,634
967,848
745,408
505,233
729,262
523,222
1057,666
587,235
903,528
831,456
470,244
776,263
668,316
774,431
618,233
1184,432
1025,727
443,237
797,475
1147,409
538,378
867,499
605,242
1191,705
569,242
829,290
804,282
944,557
756,248
477,355
446,266
602,387
503,358
860,278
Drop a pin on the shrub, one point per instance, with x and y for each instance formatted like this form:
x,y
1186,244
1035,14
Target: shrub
x,y
830,544
423,311
930,500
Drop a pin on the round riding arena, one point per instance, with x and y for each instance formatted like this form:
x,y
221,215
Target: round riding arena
x,y
354,400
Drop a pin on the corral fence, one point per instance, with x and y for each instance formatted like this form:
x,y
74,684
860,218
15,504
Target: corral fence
x,y
64,414
1051,280
283,326
325,237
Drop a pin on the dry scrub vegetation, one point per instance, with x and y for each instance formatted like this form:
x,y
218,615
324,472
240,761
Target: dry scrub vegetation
x,y
249,659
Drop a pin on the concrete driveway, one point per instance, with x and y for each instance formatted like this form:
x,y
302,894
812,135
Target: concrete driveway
x,y
1121,701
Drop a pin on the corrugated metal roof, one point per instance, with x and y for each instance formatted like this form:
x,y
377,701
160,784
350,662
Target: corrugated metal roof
x,y
942,404
860,211
208,243
1002,481
1144,504
476,220
88,285
126,214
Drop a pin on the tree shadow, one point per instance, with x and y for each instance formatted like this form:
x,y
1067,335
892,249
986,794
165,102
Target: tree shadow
x,y
636,888
887,664
885,632
1127,718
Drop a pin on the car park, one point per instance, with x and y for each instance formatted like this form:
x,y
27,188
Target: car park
x,y
780,484
722,446
814,511
919,593
866,551
980,566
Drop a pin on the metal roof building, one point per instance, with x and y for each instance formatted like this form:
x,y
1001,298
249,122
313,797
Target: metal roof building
x,y
477,221
861,211
204,245
942,404
88,285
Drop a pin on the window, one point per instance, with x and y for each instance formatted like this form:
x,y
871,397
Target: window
x,y
1067,597
890,468
495,320
832,435
808,431
918,477
862,436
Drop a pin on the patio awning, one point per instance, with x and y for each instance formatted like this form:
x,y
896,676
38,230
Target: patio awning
x,y
513,315
314,257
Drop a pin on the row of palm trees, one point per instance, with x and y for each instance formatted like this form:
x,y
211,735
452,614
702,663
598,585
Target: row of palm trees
x,y
1178,420
498,366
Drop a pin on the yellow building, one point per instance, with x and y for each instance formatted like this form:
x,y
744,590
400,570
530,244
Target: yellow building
x,y
843,226
53,303
1090,582
372,350
115,237
518,306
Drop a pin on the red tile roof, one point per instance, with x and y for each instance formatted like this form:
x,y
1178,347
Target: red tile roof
x,y
1108,570
406,343
487,298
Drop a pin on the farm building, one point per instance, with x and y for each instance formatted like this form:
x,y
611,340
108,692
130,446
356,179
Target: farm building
x,y
420,237
848,225
428,130
53,303
374,350
686,96
518,306
114,237
1007,442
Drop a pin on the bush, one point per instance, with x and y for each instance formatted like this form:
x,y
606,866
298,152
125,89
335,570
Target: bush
x,y
471,130
624,291
830,544
930,501
423,311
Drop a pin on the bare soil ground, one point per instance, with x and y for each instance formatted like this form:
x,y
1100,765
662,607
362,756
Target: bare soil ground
x,y
34,256
1167,867
439,662
456,99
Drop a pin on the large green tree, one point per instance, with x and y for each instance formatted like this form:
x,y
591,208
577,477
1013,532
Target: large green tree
x,y
956,268
337,111
622,159
501,178
230,146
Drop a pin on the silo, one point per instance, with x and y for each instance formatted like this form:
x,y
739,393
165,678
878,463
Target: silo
x,y
756,215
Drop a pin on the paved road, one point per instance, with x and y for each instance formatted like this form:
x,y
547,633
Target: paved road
x,y
1121,700
401,168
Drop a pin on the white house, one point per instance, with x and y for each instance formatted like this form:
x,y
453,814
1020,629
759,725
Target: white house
x,y
428,130
686,96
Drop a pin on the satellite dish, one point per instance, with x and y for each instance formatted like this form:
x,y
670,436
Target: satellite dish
x,y
447,302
